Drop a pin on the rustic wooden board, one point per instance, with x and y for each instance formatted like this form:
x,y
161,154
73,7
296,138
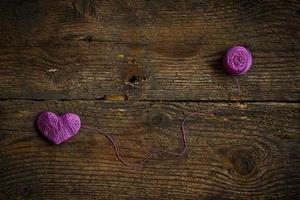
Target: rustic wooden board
x,y
76,70
156,59
158,50
257,23
248,152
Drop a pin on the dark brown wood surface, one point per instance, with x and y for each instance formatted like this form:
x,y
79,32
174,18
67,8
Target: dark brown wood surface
x,y
135,69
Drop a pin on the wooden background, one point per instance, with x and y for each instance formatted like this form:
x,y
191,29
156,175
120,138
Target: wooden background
x,y
134,69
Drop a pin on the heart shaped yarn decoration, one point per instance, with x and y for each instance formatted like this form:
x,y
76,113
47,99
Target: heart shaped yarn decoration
x,y
58,128
237,60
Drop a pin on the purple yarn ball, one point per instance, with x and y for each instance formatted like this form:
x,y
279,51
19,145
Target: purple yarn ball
x,y
237,60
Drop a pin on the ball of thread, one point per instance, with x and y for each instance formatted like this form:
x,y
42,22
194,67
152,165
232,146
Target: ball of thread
x,y
237,60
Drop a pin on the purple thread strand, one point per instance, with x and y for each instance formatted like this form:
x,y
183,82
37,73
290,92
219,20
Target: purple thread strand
x,y
184,135
237,82
184,142
151,154
112,141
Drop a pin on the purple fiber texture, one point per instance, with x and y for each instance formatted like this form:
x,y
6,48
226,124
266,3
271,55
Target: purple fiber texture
x,y
58,128
237,60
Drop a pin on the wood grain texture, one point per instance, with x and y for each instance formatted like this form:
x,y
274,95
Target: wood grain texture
x,y
77,70
260,23
133,68
247,152
158,50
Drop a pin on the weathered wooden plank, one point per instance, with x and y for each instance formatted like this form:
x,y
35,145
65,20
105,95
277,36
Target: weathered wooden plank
x,y
78,70
149,50
158,50
251,151
265,23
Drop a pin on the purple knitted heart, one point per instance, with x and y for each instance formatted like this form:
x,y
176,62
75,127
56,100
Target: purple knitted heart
x,y
58,128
